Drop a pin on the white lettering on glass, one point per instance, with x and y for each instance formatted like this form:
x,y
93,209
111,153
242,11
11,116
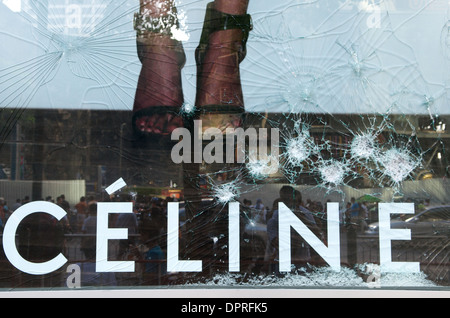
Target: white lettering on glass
x,y
9,238
387,235
287,220
173,262
104,234
330,254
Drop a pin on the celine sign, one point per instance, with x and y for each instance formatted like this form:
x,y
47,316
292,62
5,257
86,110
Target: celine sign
x,y
287,220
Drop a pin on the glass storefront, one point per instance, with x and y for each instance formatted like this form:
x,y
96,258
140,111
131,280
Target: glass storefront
x,y
244,144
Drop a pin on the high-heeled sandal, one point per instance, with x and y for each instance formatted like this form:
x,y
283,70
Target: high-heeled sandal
x,y
218,21
147,27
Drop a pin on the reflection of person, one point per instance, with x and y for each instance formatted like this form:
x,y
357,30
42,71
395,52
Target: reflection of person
x,y
155,267
89,228
82,210
89,277
159,95
301,250
364,216
40,238
127,221
354,209
352,227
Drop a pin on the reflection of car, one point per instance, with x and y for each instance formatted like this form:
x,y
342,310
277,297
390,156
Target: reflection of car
x,y
433,221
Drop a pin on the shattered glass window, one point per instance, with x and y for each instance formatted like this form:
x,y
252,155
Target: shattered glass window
x,y
300,143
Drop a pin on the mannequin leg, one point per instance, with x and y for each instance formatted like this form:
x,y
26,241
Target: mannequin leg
x,y
159,94
219,89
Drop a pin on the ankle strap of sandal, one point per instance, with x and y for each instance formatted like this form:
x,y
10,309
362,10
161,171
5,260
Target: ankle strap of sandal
x,y
223,21
144,23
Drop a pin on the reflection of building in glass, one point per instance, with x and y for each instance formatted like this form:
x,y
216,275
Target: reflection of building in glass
x,y
94,146
76,143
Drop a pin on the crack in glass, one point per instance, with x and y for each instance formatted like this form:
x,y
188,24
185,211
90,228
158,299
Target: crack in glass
x,y
362,111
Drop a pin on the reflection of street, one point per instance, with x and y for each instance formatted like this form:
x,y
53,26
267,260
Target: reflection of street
x,y
76,143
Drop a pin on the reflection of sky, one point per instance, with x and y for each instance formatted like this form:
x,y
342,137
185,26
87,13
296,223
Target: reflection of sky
x,y
337,56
